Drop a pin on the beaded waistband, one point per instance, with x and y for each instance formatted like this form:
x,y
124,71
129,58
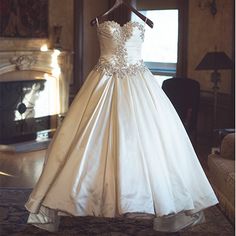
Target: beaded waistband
x,y
120,70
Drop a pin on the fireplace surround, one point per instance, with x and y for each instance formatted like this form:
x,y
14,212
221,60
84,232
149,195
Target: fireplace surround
x,y
34,92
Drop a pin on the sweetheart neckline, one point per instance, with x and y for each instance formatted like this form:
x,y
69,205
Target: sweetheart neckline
x,y
121,26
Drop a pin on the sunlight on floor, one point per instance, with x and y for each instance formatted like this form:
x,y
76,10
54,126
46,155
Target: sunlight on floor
x,y
5,174
20,169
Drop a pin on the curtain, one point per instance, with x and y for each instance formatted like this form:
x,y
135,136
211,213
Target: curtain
x,y
181,70
157,5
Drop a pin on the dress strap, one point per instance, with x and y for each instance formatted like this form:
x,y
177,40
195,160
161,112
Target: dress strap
x,y
97,21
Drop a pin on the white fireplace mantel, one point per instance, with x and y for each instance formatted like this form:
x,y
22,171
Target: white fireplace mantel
x,y
54,63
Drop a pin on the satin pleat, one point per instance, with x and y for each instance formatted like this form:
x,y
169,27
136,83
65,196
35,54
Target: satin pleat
x,y
117,152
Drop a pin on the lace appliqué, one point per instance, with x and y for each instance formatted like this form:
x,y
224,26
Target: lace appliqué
x,y
140,27
119,65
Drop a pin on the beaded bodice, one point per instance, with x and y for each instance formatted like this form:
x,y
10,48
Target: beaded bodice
x,y
120,48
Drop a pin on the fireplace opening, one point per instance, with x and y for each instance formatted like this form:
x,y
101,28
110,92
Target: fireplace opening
x,y
29,109
34,95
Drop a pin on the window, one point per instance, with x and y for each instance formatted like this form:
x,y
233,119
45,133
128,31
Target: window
x,y
165,46
160,47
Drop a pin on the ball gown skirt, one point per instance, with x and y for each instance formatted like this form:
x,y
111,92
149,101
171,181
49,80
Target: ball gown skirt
x,y
121,148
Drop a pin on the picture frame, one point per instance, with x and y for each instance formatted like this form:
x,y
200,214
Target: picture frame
x,y
24,18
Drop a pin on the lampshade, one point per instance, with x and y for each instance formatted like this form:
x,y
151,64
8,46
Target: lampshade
x,y
215,61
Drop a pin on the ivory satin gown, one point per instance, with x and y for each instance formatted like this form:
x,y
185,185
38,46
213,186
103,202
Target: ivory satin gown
x,y
121,147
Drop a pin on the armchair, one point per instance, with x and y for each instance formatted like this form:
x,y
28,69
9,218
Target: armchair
x,y
184,93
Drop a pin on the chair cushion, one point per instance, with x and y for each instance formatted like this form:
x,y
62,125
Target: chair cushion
x,y
227,149
184,93
222,175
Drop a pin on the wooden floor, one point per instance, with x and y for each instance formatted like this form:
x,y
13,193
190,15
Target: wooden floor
x,y
22,169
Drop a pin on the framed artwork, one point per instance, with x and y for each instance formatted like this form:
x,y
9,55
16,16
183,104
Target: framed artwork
x,y
24,18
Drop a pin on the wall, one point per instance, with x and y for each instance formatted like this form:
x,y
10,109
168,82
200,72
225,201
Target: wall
x,y
91,47
61,13
206,32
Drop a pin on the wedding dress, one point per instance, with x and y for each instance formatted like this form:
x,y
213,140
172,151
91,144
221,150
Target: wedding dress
x,y
122,147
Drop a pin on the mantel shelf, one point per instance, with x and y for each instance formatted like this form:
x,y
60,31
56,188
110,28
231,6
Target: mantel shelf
x,y
36,51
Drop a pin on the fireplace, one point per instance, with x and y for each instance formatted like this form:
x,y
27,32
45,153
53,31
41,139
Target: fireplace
x,y
34,91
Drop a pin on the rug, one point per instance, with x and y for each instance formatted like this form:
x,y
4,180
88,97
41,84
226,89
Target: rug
x,y
13,218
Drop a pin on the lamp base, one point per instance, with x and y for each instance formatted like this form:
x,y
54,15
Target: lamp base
x,y
215,79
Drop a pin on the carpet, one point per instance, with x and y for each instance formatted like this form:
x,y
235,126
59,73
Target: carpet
x,y
13,218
